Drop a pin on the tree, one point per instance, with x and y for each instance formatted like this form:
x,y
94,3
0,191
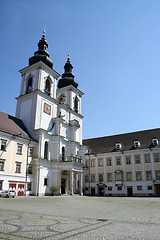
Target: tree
x,y
53,189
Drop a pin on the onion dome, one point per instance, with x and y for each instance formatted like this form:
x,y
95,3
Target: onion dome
x,y
41,54
67,77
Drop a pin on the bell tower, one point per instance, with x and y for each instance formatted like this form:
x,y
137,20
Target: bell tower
x,y
37,103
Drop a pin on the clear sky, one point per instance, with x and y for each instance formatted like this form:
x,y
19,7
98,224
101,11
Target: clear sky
x,y
115,51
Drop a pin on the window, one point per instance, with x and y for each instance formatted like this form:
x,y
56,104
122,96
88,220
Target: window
x,y
138,176
147,158
92,177
148,175
3,145
136,144
100,162
109,162
119,176
139,188
48,87
29,186
19,149
86,178
63,153
76,104
119,188
149,188
118,161
137,159
87,163
109,177
29,86
109,188
92,163
1,165
101,177
157,174
30,152
46,150
155,142
118,146
18,167
45,181
128,176
1,183
29,169
128,160
156,157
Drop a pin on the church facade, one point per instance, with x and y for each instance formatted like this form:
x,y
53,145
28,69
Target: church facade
x,y
53,120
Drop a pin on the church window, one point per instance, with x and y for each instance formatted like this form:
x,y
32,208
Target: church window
x,y
63,153
46,150
76,104
45,181
48,87
29,86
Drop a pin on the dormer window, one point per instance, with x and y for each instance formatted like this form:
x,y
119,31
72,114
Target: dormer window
x,y
118,146
29,86
136,144
155,142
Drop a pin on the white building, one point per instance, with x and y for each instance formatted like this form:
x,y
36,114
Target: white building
x,y
53,119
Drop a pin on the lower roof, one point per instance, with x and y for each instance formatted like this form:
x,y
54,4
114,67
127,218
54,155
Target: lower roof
x,y
14,126
107,144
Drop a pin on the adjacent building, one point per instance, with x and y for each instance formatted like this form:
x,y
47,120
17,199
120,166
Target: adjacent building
x,y
124,165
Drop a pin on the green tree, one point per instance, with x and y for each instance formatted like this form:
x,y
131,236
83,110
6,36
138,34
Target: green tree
x,y
54,189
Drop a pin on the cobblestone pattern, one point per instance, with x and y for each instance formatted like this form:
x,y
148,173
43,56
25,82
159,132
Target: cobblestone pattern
x,y
17,223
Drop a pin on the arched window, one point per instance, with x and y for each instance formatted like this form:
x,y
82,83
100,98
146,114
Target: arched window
x,y
76,104
63,153
48,87
46,150
29,85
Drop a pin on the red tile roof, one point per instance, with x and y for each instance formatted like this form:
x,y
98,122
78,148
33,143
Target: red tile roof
x,y
13,125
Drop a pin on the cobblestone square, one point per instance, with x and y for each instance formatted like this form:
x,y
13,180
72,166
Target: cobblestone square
x,y
76,217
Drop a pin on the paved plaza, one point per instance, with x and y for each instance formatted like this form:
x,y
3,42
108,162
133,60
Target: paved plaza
x,y
76,217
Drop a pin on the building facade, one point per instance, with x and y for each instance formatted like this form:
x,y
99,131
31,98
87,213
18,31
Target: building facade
x,y
53,118
16,156
123,165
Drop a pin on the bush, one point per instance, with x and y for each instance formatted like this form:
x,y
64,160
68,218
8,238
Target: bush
x,y
53,189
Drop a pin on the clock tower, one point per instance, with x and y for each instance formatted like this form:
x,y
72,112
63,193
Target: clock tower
x,y
53,118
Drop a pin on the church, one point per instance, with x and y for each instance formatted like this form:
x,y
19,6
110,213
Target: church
x,y
42,145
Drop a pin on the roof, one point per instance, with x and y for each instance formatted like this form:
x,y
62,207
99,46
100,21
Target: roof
x,y
107,144
13,125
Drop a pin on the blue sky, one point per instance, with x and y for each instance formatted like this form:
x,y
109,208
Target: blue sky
x,y
115,51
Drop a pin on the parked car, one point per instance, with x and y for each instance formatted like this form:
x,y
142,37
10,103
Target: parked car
x,y
0,192
8,193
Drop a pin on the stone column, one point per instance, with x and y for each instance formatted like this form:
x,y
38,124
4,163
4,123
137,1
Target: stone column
x,y
81,184
71,183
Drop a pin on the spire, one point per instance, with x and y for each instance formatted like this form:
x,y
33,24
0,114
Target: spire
x,y
67,77
42,54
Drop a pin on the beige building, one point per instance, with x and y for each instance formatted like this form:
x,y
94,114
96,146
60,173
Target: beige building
x,y
126,164
16,155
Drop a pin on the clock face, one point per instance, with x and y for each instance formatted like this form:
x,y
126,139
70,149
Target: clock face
x,y
47,108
